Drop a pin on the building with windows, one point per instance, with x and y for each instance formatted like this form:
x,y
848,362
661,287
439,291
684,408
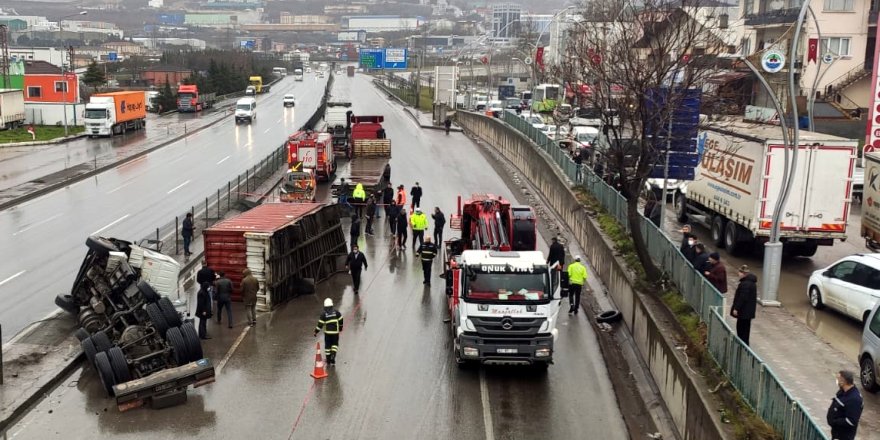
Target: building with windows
x,y
506,21
44,82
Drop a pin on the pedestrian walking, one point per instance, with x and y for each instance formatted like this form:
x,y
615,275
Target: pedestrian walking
x,y
652,208
377,198
342,193
448,124
386,173
439,223
388,197
402,226
331,323
359,196
354,264
427,251
419,222
745,301
400,198
578,165
355,229
556,254
416,193
249,288
688,241
203,309
846,408
371,212
701,258
224,297
187,231
577,276
716,274
393,214
206,275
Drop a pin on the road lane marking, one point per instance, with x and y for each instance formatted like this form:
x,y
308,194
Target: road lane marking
x,y
12,278
223,160
484,399
177,187
267,130
120,187
111,224
36,224
279,120
232,349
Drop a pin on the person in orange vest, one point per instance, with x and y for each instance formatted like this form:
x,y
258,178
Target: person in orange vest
x,y
400,200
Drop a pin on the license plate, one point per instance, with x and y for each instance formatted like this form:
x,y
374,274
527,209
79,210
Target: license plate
x,y
508,351
797,239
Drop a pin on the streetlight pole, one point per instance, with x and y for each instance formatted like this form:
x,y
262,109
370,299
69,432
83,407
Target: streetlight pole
x,y
64,66
537,42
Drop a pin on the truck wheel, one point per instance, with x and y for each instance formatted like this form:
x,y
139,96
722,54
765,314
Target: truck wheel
x,y
731,238
172,318
718,231
119,365
193,343
101,244
178,346
609,316
105,372
81,334
808,249
66,303
88,347
681,208
150,295
157,318
101,341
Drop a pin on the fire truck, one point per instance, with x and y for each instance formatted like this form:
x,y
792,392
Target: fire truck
x,y
314,150
503,299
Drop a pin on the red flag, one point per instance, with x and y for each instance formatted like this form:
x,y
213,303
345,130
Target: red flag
x,y
539,58
484,59
813,50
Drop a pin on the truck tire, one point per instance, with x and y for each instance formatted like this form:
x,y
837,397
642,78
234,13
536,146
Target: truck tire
x,y
88,347
193,343
119,365
807,249
731,238
157,318
66,303
105,372
609,316
150,295
172,318
717,231
681,208
178,346
81,334
101,341
101,245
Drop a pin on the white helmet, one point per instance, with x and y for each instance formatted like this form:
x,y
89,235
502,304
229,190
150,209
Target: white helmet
x,y
328,302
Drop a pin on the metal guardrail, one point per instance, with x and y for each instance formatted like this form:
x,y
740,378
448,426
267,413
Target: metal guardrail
x,y
751,376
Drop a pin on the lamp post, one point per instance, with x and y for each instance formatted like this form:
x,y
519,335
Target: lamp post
x,y
64,66
538,41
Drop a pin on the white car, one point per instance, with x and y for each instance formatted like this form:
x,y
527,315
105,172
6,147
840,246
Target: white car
x,y
851,286
289,101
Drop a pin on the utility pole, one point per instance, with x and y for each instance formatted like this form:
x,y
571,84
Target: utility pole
x,y
4,53
421,62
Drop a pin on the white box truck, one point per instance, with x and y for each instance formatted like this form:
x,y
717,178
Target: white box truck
x,y
737,183
11,108
871,201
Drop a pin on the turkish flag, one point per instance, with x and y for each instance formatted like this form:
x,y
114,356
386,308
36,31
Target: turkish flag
x,y
813,50
539,58
484,59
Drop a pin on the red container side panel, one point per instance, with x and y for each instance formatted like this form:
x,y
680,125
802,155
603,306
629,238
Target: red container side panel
x,y
226,251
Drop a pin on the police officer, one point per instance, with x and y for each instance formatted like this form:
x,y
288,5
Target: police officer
x,y
355,263
427,251
331,322
577,276
419,222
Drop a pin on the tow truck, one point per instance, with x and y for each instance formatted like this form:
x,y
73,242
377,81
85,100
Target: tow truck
x,y
129,330
503,299
298,185
312,150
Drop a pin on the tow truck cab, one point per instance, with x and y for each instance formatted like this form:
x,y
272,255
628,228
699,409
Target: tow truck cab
x,y
503,306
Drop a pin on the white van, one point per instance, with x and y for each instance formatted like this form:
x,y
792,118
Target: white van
x,y
245,110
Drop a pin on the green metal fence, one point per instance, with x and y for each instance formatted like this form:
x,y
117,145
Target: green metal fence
x,y
758,385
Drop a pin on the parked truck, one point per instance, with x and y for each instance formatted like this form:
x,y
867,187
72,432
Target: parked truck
x,y
257,83
189,99
338,125
871,201
369,152
131,333
312,150
11,108
503,298
109,114
152,101
737,182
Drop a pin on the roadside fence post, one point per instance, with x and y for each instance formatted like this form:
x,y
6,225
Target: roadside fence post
x,y
176,234
218,203
157,236
247,181
206,212
238,188
228,193
1,356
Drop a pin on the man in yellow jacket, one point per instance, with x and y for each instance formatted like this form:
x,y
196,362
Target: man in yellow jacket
x,y
577,276
359,198
419,222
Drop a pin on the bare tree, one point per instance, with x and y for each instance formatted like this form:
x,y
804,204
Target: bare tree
x,y
633,63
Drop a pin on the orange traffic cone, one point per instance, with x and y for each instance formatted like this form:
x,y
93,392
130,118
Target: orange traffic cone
x,y
319,372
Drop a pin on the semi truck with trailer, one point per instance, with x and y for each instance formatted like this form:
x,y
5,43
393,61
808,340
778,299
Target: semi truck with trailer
x,y
369,152
337,118
108,114
257,83
11,108
738,179
189,99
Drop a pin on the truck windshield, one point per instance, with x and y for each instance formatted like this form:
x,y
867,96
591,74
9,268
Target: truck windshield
x,y
185,97
96,113
507,287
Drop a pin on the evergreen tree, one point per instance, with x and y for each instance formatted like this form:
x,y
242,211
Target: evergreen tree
x,y
167,100
94,76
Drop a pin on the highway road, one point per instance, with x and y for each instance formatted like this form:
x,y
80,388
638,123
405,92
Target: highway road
x,y
43,239
395,377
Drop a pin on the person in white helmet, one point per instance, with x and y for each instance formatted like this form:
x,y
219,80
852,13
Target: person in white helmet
x,y
331,322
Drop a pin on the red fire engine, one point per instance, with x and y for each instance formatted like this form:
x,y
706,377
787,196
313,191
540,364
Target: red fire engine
x,y
310,149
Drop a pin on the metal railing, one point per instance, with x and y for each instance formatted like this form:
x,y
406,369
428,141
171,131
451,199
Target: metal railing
x,y
749,374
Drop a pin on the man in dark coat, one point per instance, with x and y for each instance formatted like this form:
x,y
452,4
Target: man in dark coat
x,y
355,263
402,226
416,195
688,241
439,223
745,301
556,254
203,309
427,251
249,288
846,408
355,229
371,213
205,274
393,213
187,230
716,274
701,258
387,197
223,297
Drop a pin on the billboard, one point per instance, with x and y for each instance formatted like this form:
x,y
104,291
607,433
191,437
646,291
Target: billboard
x,y
351,36
395,58
872,135
247,44
385,58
